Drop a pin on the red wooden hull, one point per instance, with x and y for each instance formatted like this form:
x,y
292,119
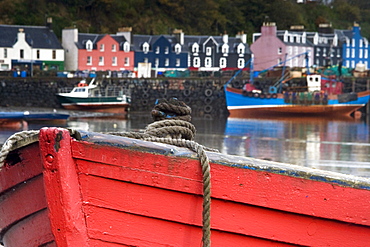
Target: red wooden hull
x,y
115,191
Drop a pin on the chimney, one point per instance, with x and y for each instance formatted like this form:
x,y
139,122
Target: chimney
x,y
225,38
126,32
49,22
269,29
21,34
179,35
325,28
297,28
242,36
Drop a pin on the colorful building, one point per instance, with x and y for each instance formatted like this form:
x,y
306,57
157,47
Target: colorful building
x,y
213,53
98,52
278,48
30,48
355,49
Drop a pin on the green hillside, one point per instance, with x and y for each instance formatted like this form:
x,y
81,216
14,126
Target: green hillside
x,y
198,17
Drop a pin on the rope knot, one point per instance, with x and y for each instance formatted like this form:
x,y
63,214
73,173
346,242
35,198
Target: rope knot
x,y
172,120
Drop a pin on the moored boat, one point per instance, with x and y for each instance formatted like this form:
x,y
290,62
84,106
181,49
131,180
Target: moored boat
x,y
76,188
95,97
320,97
17,119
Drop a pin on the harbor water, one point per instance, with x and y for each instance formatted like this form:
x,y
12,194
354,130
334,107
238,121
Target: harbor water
x,y
339,145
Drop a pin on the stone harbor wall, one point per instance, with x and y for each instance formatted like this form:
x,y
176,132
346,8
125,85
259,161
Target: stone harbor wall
x,y
205,96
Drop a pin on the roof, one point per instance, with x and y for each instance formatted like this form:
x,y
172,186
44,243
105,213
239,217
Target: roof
x,y
37,36
84,37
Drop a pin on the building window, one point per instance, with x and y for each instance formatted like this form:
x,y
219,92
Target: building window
x,y
196,62
280,50
353,53
295,50
89,45
208,51
156,63
54,54
5,53
208,62
145,47
37,54
146,60
114,61
101,60
195,48
177,48
101,47
241,49
352,64
223,62
361,52
21,53
127,61
366,52
126,47
166,62
225,49
157,49
177,62
89,60
166,50
347,52
241,63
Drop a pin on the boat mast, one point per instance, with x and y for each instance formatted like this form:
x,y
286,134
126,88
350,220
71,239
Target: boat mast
x,y
240,70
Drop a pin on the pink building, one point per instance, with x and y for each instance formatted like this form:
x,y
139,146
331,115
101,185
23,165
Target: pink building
x,y
98,52
272,47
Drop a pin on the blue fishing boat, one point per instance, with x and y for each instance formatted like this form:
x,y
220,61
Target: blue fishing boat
x,y
310,95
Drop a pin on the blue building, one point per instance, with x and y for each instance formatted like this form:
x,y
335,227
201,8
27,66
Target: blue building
x,y
355,48
182,52
162,52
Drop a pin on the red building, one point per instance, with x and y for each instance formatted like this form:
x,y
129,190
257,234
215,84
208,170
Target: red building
x,y
98,52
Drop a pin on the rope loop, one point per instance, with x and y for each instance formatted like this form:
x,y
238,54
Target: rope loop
x,y
17,140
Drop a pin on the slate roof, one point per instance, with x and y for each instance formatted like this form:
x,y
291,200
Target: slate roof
x,y
37,36
84,37
342,34
189,40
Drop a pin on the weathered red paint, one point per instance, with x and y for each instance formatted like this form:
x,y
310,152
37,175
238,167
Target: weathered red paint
x,y
146,195
63,191
32,231
306,212
23,208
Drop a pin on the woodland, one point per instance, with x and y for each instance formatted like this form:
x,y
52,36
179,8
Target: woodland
x,y
194,17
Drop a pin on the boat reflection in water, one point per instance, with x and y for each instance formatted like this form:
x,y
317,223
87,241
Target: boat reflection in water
x,y
341,145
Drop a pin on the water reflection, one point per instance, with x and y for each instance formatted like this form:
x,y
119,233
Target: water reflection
x,y
336,145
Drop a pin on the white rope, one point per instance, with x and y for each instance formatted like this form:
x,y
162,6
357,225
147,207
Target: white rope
x,y
17,140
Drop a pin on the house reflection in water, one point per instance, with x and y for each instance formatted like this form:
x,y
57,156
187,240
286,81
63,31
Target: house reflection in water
x,y
334,145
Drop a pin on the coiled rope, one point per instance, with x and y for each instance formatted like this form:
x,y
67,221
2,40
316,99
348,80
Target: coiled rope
x,y
171,126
